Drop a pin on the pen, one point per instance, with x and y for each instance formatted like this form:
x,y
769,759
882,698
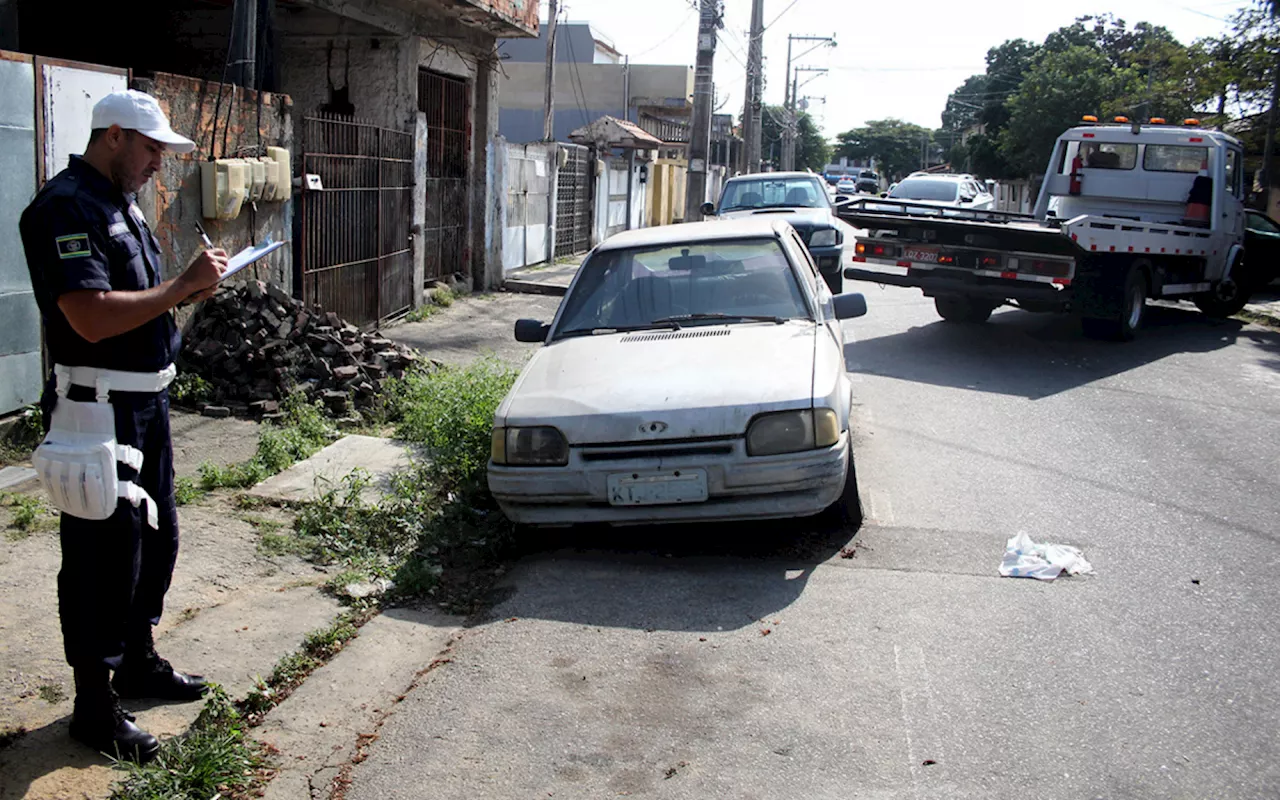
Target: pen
x,y
203,236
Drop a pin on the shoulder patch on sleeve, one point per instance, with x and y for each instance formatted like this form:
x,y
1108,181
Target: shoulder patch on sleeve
x,y
75,245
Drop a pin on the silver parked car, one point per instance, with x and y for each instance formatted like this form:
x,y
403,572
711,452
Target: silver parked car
x,y
692,372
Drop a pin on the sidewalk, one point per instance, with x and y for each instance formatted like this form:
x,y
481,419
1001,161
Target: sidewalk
x,y
552,279
1265,308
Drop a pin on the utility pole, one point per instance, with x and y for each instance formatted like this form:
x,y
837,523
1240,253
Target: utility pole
x,y
1269,145
789,128
709,21
549,99
751,122
793,118
244,43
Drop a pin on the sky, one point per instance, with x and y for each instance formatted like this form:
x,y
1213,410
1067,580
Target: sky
x,y
893,58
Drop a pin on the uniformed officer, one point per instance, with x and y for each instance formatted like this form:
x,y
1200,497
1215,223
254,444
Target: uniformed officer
x,y
96,272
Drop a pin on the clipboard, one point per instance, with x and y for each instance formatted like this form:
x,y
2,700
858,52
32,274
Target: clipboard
x,y
249,255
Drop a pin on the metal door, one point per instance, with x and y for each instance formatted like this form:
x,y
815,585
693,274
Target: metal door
x,y
574,201
617,207
446,101
356,255
21,370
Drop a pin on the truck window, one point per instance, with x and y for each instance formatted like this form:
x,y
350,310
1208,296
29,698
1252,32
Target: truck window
x,y
1234,175
1175,158
1105,155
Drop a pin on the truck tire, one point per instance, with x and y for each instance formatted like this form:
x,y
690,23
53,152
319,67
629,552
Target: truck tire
x,y
1123,306
957,308
1127,307
1225,299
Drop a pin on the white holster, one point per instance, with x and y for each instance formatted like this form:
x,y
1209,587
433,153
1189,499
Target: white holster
x,y
76,462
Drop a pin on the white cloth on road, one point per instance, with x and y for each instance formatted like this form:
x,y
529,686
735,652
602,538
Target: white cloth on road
x,y
1023,558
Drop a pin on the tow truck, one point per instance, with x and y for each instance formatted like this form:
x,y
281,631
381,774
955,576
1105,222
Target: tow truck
x,y
1126,212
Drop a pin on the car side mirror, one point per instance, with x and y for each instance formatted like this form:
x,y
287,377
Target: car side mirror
x,y
884,194
532,330
708,209
966,199
848,306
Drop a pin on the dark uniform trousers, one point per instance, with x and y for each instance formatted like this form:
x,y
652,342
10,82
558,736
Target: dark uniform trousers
x,y
81,233
115,572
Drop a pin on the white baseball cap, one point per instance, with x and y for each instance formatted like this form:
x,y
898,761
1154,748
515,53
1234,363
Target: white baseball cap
x,y
138,111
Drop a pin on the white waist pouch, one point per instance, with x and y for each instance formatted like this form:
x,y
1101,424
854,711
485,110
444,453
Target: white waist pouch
x,y
76,462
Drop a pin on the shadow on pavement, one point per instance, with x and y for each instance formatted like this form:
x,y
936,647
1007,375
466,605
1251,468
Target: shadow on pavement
x,y
1040,355
40,752
708,577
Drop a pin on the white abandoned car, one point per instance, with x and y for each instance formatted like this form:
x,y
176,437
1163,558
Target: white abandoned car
x,y
692,372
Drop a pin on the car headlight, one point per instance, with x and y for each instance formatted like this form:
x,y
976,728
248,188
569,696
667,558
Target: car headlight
x,y
825,238
792,431
541,446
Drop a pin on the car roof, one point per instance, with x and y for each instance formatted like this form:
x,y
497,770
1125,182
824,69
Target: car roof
x,y
772,176
713,230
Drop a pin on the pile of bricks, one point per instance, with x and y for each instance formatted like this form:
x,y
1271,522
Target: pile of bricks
x,y
254,345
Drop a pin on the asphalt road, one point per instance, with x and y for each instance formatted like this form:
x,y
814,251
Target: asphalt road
x,y
778,661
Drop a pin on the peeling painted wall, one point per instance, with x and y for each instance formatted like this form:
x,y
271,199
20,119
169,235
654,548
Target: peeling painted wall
x,y
172,201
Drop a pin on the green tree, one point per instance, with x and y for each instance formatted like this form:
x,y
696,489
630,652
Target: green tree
x,y
894,144
812,150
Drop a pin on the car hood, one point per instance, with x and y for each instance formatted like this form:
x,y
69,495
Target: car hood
x,y
701,381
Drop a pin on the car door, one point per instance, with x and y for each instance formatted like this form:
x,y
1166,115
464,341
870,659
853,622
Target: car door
x,y
1262,245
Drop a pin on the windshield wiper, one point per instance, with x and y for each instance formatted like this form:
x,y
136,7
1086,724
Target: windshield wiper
x,y
718,316
669,324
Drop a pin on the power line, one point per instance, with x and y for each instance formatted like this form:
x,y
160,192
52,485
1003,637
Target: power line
x,y
783,14
668,37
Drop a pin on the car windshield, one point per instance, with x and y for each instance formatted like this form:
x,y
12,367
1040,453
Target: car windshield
x,y
719,281
926,189
773,193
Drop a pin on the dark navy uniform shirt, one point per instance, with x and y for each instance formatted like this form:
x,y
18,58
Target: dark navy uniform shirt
x,y
81,232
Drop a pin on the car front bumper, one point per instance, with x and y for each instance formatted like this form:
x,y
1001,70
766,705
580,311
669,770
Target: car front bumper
x,y
738,487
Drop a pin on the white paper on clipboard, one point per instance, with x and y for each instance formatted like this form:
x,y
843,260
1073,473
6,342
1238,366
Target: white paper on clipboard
x,y
249,255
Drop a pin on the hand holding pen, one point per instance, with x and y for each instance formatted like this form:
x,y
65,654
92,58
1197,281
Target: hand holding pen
x,y
202,276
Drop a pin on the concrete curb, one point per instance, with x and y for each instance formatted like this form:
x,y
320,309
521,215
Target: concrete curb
x,y
533,287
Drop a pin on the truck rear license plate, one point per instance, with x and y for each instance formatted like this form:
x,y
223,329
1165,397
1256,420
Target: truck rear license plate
x,y
658,488
923,255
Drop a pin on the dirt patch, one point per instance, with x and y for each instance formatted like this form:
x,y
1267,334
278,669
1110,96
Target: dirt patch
x,y
475,326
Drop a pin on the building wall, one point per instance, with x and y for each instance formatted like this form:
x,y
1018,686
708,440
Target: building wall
x,y
574,42
584,93
372,79
172,201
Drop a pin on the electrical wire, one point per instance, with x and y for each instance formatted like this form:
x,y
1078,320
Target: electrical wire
x,y
783,14
668,37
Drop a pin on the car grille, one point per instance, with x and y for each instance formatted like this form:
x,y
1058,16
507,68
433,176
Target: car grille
x,y
674,448
658,337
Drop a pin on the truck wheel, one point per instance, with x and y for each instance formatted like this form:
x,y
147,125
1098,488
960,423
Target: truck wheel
x,y
957,308
1132,305
1226,298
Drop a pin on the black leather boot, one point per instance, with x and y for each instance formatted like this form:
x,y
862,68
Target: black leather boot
x,y
143,673
99,722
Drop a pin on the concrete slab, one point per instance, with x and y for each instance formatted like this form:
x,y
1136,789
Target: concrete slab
x,y
549,279
344,703
325,470
14,477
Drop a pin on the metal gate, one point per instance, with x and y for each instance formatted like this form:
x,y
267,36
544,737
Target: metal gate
x,y
573,202
617,206
355,253
447,103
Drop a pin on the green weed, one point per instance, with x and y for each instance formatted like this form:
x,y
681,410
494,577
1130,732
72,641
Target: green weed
x,y
449,411
213,759
22,436
302,431
189,390
289,673
52,693
187,491
30,514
